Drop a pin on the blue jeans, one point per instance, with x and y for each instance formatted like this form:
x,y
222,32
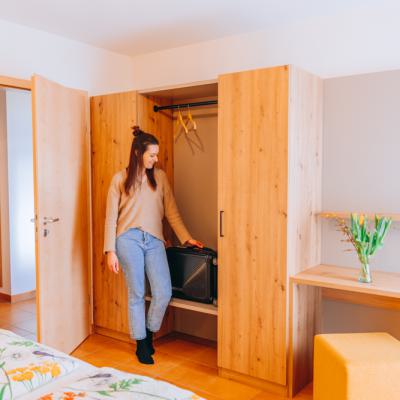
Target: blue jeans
x,y
139,253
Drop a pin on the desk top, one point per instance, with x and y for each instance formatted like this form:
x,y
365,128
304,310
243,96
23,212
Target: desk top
x,y
344,278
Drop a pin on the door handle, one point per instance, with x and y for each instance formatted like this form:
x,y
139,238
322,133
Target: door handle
x,y
221,217
49,220
46,220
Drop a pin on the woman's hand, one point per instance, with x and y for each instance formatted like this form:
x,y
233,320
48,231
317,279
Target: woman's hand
x,y
112,262
193,242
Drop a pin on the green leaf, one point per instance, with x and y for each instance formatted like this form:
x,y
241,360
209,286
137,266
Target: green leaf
x,y
25,343
104,393
367,242
2,391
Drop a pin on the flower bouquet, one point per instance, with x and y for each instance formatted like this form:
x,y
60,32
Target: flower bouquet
x,y
365,241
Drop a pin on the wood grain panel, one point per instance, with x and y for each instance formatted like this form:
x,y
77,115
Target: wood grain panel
x,y
274,391
112,118
305,170
384,283
252,183
62,190
304,201
364,299
305,306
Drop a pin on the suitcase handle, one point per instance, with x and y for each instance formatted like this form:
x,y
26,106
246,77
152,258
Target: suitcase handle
x,y
221,232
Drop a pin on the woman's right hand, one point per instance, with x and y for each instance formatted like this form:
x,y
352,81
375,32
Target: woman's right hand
x,y
112,262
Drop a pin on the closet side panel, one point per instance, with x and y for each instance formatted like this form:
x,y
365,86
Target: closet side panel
x,y
253,168
304,202
112,117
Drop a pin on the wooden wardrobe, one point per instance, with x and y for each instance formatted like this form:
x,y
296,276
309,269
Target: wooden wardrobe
x,y
269,190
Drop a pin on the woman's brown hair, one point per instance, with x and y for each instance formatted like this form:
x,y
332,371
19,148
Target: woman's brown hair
x,y
139,146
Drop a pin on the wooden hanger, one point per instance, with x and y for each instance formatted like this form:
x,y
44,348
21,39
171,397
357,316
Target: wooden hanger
x,y
190,119
179,121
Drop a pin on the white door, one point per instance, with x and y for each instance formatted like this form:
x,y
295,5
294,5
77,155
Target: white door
x,y
62,212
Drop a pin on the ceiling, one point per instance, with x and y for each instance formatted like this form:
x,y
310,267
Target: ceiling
x,y
135,27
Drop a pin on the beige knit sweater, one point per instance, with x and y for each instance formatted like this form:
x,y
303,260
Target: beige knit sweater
x,y
143,209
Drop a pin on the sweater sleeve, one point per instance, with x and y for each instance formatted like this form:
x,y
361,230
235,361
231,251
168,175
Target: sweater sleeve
x,y
172,213
110,228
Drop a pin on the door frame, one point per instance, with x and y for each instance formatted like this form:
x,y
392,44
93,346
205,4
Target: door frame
x,y
16,83
24,84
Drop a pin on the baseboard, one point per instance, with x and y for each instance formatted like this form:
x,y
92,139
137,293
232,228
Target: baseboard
x,y
23,296
124,337
5,297
18,297
254,382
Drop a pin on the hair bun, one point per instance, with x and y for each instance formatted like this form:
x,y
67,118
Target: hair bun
x,y
136,131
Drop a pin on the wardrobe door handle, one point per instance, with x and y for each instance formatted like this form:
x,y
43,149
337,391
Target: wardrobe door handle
x,y
221,232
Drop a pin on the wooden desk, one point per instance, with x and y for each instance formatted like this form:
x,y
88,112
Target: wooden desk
x,y
306,292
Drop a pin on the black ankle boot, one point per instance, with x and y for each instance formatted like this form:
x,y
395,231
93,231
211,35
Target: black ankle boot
x,y
149,341
143,353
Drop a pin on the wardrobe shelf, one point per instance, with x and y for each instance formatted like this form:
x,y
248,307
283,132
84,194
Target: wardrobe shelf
x,y
346,215
192,305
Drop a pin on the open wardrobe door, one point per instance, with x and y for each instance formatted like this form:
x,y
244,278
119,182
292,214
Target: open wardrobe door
x,y
62,213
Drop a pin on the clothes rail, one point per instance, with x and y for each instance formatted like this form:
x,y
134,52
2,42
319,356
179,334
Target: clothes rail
x,y
183,106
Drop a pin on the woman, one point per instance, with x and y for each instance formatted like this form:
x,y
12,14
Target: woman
x,y
138,198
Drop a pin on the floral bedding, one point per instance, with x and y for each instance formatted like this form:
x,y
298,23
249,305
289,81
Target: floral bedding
x,y
31,371
26,365
109,383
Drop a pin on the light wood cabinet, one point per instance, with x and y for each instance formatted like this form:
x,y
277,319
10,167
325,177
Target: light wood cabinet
x,y
269,149
112,119
269,173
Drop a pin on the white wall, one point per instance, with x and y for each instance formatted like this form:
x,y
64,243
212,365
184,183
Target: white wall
x,y
25,51
20,191
361,163
361,157
360,41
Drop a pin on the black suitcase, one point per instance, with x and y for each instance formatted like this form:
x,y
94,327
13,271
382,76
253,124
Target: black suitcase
x,y
193,273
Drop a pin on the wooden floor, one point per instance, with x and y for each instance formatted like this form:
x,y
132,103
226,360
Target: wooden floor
x,y
178,359
19,317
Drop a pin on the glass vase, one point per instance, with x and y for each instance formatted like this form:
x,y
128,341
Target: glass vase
x,y
365,274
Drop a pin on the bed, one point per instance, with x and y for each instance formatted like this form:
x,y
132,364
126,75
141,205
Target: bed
x,y
29,370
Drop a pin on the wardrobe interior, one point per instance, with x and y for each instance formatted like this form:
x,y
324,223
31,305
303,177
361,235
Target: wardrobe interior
x,y
188,138
194,134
